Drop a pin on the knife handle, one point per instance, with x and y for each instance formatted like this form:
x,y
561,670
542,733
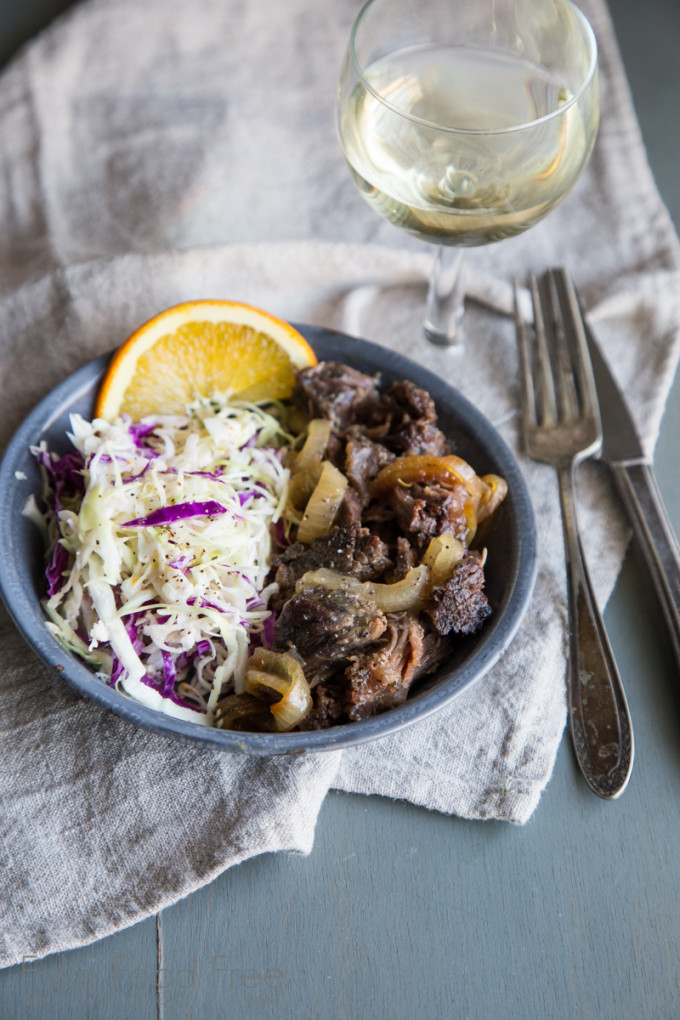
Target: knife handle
x,y
638,489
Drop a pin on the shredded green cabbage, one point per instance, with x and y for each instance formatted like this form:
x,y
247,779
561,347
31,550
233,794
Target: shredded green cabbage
x,y
160,549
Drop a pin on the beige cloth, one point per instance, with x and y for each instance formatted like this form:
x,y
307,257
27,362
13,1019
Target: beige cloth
x,y
144,161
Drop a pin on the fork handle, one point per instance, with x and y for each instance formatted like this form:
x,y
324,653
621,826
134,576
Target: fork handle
x,y
599,720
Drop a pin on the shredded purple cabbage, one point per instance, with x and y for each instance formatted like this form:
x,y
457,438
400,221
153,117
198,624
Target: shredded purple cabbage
x,y
182,563
54,571
130,624
64,475
202,603
178,512
243,497
139,431
169,672
215,476
116,671
280,533
134,478
171,695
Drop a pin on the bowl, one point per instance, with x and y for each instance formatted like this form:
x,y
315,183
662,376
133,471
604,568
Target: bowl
x,y
510,570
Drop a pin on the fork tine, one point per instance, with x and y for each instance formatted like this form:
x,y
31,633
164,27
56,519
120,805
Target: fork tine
x,y
546,404
562,347
575,332
526,377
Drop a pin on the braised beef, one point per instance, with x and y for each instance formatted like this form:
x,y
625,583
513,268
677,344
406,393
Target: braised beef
x,y
405,557
413,417
460,606
411,401
380,678
337,392
436,648
346,548
364,459
427,509
358,660
351,507
326,627
329,705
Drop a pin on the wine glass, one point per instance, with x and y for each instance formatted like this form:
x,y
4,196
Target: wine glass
x,y
465,122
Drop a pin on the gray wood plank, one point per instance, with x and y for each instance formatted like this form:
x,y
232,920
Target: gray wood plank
x,y
648,35
110,980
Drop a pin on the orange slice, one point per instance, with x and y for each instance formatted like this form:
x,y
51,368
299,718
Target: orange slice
x,y
200,349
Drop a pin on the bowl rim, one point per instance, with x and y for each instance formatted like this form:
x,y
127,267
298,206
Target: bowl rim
x,y
23,605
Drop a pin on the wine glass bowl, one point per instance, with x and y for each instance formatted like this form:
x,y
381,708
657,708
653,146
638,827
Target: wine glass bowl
x,y
465,122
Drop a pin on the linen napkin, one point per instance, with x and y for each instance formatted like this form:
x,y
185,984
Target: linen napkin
x,y
144,161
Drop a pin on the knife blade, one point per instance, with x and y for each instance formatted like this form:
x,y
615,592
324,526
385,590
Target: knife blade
x,y
635,481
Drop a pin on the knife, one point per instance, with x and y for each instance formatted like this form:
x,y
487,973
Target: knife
x,y
636,484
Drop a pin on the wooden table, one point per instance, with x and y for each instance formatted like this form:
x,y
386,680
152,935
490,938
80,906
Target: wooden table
x,y
401,913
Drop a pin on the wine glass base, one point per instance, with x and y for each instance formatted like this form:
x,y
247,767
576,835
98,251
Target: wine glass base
x,y
437,340
452,338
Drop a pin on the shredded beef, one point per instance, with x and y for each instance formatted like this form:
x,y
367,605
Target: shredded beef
x,y
411,401
427,509
326,627
328,705
358,660
405,557
413,417
364,459
351,507
380,678
460,606
337,392
347,548
436,648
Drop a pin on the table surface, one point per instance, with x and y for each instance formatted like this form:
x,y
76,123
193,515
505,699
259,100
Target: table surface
x,y
400,912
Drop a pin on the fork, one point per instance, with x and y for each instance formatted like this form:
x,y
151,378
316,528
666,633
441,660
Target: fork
x,y
561,426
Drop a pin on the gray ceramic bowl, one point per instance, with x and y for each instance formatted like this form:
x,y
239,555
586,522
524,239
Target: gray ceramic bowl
x,y
510,568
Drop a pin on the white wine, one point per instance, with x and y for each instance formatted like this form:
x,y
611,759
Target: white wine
x,y
445,152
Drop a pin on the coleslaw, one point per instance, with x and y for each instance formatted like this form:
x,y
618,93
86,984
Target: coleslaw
x,y
159,535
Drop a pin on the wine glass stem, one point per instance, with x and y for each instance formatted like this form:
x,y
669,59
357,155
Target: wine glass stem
x,y
446,298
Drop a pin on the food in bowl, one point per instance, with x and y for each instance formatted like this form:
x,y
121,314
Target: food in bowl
x,y
252,570
296,564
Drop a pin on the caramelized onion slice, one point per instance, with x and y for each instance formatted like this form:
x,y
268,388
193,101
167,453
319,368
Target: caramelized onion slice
x,y
409,593
277,680
301,486
311,454
495,491
441,557
447,471
323,504
243,712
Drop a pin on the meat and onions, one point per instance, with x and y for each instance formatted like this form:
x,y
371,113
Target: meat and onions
x,y
375,600
270,567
